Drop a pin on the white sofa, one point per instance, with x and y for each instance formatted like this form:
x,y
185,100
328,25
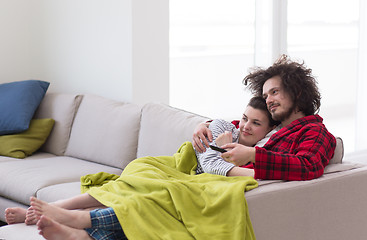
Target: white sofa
x,y
93,134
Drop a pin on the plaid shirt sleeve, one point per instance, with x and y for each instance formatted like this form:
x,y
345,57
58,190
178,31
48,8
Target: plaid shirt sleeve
x,y
298,152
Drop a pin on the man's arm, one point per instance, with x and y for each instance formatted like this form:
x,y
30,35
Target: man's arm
x,y
200,135
238,154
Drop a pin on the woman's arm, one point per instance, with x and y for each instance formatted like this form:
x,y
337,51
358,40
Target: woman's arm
x,y
239,171
211,161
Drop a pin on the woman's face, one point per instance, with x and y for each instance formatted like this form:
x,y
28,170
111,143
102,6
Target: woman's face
x,y
253,126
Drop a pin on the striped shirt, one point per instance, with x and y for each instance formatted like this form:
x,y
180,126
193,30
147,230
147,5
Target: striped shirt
x,y
211,161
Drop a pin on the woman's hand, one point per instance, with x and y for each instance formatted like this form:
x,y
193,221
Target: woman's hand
x,y
224,138
238,154
239,171
200,133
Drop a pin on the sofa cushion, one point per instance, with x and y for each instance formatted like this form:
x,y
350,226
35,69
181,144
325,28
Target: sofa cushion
x,y
61,191
61,108
163,129
339,152
18,102
24,178
36,155
20,231
105,131
345,166
21,145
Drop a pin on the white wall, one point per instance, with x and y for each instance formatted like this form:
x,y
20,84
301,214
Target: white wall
x,y
85,46
150,51
14,42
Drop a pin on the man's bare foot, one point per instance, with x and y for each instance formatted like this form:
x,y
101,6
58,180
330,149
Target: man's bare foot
x,y
53,230
31,218
72,218
15,215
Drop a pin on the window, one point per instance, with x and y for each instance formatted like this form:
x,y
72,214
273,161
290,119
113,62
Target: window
x,y
329,45
211,49
213,44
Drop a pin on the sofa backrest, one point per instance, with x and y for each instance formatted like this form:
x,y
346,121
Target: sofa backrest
x,y
105,131
114,133
62,108
163,129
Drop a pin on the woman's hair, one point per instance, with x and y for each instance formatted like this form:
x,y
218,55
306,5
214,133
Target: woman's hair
x,y
297,81
260,104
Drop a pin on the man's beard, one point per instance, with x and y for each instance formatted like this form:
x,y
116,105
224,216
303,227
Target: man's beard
x,y
283,115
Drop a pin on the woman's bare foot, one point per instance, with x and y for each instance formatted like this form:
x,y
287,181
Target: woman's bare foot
x,y
15,215
53,230
31,218
72,218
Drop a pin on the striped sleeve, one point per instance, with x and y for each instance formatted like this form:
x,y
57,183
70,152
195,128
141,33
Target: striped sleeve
x,y
211,161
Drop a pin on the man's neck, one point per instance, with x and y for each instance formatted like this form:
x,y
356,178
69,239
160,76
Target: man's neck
x,y
293,117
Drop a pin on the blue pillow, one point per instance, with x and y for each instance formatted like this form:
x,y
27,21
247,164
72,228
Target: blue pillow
x,y
18,103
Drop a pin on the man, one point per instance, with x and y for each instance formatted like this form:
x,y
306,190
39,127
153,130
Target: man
x,y
302,148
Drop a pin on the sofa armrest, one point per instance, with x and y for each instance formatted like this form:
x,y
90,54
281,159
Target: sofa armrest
x,y
330,207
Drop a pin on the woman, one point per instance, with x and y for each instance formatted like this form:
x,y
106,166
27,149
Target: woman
x,y
255,128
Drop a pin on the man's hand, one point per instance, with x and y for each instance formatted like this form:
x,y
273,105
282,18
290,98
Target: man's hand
x,y
224,138
238,154
200,133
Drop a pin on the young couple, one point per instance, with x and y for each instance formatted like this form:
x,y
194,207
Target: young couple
x,y
299,150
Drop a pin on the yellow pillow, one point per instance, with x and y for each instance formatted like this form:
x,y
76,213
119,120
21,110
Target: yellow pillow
x,y
24,144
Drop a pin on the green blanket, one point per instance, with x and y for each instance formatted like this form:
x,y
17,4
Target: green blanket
x,y
162,198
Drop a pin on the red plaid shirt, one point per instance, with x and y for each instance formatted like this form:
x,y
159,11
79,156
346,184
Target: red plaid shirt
x,y
299,151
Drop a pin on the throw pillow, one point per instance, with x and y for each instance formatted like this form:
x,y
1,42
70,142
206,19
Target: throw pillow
x,y
26,143
18,103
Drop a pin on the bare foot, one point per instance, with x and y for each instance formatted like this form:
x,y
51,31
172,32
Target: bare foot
x,y
31,218
15,215
53,230
71,218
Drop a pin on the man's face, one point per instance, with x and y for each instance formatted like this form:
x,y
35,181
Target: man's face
x,y
279,103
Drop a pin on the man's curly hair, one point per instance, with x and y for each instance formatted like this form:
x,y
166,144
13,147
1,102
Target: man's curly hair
x,y
297,81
